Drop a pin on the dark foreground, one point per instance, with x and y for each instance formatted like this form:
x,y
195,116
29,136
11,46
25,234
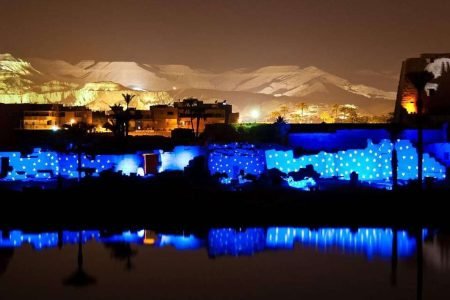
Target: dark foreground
x,y
186,205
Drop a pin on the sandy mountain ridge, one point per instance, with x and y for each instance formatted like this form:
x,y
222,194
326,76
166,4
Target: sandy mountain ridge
x,y
100,84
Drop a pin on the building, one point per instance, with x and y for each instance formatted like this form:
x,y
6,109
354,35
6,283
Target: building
x,y
436,101
48,116
162,119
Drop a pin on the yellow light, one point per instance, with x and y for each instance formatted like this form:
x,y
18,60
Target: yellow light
x,y
149,241
72,121
409,103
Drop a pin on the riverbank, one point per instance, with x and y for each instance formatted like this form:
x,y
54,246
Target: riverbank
x,y
183,204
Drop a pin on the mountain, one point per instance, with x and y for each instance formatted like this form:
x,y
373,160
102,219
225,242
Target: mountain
x,y
100,84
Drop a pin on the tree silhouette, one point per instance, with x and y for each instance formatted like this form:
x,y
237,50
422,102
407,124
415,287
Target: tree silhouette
x,y
394,133
349,113
122,252
335,111
302,106
120,122
127,98
5,258
282,129
419,80
78,136
280,120
79,278
194,110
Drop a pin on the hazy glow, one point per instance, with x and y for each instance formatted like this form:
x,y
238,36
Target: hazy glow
x,y
255,113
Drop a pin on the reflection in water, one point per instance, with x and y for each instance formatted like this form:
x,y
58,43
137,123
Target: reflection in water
x,y
436,250
229,241
122,252
232,242
79,277
179,242
130,248
365,240
5,257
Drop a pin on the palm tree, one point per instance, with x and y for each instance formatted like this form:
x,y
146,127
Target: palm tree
x,y
419,80
189,106
127,115
280,120
335,111
194,109
117,123
77,134
128,98
302,107
199,113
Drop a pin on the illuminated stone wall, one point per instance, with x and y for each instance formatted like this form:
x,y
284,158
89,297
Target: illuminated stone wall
x,y
232,158
179,157
441,151
45,165
343,139
372,163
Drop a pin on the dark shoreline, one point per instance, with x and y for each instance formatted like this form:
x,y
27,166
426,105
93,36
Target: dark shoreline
x,y
182,208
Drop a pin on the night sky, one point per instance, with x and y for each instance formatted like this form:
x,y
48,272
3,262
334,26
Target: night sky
x,y
352,38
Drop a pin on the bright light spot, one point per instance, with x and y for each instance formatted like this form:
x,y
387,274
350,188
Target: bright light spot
x,y
140,171
55,128
255,114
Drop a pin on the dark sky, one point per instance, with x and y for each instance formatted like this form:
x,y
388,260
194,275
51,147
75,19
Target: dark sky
x,y
347,37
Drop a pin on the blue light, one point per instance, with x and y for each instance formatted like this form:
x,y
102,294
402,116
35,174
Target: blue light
x,y
179,242
229,241
370,241
373,164
232,158
305,184
37,240
46,165
125,237
179,158
128,165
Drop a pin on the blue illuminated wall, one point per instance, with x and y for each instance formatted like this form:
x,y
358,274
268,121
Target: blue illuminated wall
x,y
179,158
370,241
440,151
341,139
229,241
44,165
371,163
231,158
